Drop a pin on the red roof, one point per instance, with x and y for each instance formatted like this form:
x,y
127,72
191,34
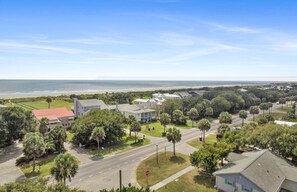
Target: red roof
x,y
53,113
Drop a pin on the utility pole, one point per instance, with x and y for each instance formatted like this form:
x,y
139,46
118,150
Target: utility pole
x,y
120,174
157,155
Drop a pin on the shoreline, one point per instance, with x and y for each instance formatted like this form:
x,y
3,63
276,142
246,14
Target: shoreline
x,y
87,92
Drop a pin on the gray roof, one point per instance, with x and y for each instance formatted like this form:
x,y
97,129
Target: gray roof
x,y
93,102
197,92
183,94
132,108
263,168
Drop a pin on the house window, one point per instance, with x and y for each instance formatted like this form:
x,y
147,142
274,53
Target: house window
x,y
244,188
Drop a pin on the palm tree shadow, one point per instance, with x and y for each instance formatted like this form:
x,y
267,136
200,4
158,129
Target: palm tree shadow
x,y
10,152
177,159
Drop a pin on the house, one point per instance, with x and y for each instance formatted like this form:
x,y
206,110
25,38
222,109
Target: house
x,y
259,171
150,103
81,107
56,116
242,90
197,93
163,96
141,113
183,94
285,123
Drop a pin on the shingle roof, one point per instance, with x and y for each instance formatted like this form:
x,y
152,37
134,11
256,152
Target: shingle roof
x,y
53,113
93,102
183,94
263,168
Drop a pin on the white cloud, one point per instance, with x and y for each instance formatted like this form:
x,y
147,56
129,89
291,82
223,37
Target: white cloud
x,y
88,41
235,29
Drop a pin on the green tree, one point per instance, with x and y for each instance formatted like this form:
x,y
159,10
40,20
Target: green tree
x,y
264,107
204,125
58,136
65,167
206,158
208,112
49,100
223,128
34,147
282,101
130,120
270,105
43,123
98,134
193,114
178,117
136,128
220,104
171,105
165,120
225,117
254,110
222,150
173,135
243,115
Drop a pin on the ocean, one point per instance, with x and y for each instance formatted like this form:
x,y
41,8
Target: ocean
x,y
34,88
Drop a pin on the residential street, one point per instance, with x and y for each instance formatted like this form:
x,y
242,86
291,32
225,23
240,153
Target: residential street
x,y
104,173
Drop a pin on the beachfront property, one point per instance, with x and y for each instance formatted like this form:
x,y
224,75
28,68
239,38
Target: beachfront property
x,y
141,113
149,103
198,93
242,90
82,107
259,171
56,116
183,94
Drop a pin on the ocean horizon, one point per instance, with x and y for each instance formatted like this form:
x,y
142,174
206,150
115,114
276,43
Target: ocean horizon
x,y
35,88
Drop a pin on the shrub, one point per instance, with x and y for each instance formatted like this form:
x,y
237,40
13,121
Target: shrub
x,y
20,161
262,121
269,117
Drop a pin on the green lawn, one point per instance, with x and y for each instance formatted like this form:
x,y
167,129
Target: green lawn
x,y
157,132
44,168
128,143
193,181
210,139
54,104
168,165
285,108
16,105
276,116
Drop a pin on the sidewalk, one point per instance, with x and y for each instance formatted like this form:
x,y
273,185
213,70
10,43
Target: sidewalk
x,y
172,178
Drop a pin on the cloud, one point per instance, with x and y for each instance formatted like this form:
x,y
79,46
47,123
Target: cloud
x,y
235,29
57,49
88,41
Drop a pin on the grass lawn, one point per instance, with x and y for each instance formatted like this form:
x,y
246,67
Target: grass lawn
x,y
128,143
157,132
210,139
16,105
285,108
276,116
54,104
69,136
193,181
44,168
168,165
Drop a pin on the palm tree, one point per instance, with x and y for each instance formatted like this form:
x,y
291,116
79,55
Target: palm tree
x,y
135,127
34,147
43,122
49,100
204,125
58,136
243,115
173,135
254,110
263,107
165,120
193,114
99,135
65,167
130,120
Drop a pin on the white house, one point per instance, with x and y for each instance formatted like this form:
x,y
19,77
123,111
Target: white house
x,y
141,113
259,171
81,107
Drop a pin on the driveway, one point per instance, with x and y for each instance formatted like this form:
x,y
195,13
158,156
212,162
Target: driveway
x,y
8,171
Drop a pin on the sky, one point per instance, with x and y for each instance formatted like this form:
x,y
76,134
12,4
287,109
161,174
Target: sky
x,y
149,39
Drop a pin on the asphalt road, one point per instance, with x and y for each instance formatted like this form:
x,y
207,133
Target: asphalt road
x,y
104,173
